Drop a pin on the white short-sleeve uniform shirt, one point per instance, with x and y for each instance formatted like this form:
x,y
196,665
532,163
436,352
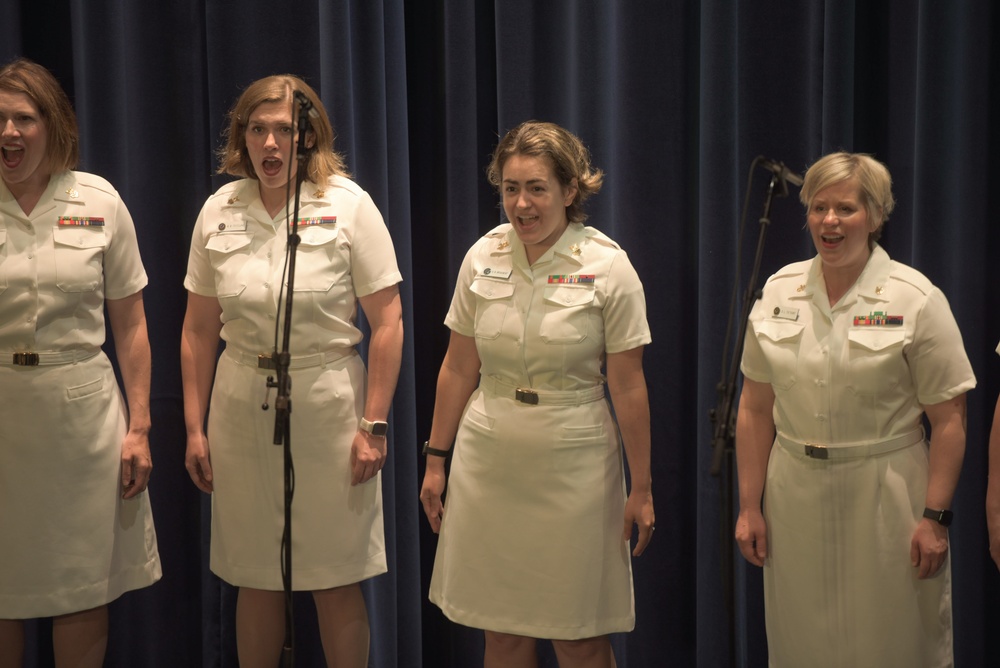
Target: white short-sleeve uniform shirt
x,y
77,545
839,587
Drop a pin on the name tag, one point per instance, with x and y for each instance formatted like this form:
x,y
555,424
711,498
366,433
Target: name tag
x,y
494,272
786,313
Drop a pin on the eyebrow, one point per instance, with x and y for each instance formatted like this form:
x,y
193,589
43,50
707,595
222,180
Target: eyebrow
x,y
529,181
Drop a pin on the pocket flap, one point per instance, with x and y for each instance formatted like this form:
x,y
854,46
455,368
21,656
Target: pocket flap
x,y
876,338
227,243
779,331
489,289
79,237
570,295
317,235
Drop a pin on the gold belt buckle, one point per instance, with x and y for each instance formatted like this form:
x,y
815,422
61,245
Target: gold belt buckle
x,y
817,451
25,359
265,361
526,396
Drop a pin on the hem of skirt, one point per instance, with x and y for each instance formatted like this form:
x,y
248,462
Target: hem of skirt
x,y
525,627
314,579
52,604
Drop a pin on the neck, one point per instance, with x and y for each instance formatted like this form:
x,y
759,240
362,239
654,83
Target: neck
x,y
840,279
27,193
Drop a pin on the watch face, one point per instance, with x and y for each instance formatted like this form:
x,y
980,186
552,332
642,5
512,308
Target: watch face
x,y
374,427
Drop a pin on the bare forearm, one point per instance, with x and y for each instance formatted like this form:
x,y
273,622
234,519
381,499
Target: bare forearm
x,y
632,411
385,354
453,392
128,325
947,450
198,355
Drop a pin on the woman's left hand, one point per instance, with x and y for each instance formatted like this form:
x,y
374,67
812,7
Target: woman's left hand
x,y
137,464
928,548
367,457
639,511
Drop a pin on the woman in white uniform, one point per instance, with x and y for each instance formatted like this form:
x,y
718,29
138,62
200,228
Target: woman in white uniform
x,y
75,521
844,355
235,279
535,533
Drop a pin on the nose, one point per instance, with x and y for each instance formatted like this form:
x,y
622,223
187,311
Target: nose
x,y
830,218
8,129
522,200
271,141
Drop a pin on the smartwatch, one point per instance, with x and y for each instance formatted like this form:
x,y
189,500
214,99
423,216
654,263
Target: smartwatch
x,y
942,517
375,428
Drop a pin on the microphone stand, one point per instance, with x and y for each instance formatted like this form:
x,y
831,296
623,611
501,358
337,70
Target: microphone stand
x,y
723,417
283,385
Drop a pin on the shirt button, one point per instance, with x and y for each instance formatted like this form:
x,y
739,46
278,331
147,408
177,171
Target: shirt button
x,y
267,286
820,417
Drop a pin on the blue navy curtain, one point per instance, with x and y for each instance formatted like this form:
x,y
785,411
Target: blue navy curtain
x,y
674,98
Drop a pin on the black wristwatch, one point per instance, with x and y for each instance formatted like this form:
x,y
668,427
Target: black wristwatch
x,y
375,428
942,517
428,450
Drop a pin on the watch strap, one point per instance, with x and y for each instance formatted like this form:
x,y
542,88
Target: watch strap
x,y
374,427
942,517
428,450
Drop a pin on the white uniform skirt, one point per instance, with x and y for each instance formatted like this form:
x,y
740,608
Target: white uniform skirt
x,y
531,541
68,542
337,535
839,587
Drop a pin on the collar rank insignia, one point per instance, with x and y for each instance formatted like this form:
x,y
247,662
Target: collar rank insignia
x,y
503,244
877,319
80,221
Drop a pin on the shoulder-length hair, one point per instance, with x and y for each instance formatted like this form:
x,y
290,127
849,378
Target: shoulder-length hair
x,y
234,159
62,134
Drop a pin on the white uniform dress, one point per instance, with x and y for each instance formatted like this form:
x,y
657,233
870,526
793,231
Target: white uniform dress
x,y
531,541
69,542
237,255
839,587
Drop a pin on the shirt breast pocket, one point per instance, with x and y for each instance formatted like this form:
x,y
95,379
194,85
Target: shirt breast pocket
x,y
781,344
493,299
79,257
323,259
875,356
230,254
567,313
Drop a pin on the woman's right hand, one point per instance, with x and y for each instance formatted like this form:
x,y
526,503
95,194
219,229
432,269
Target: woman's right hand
x,y
431,491
198,462
751,536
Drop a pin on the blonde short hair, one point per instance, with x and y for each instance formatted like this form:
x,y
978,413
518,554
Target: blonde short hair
x,y
874,184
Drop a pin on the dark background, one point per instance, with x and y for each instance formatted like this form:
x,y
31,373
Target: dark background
x,y
675,98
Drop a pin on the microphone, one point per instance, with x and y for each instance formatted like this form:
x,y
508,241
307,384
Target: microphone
x,y
306,112
782,172
304,104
